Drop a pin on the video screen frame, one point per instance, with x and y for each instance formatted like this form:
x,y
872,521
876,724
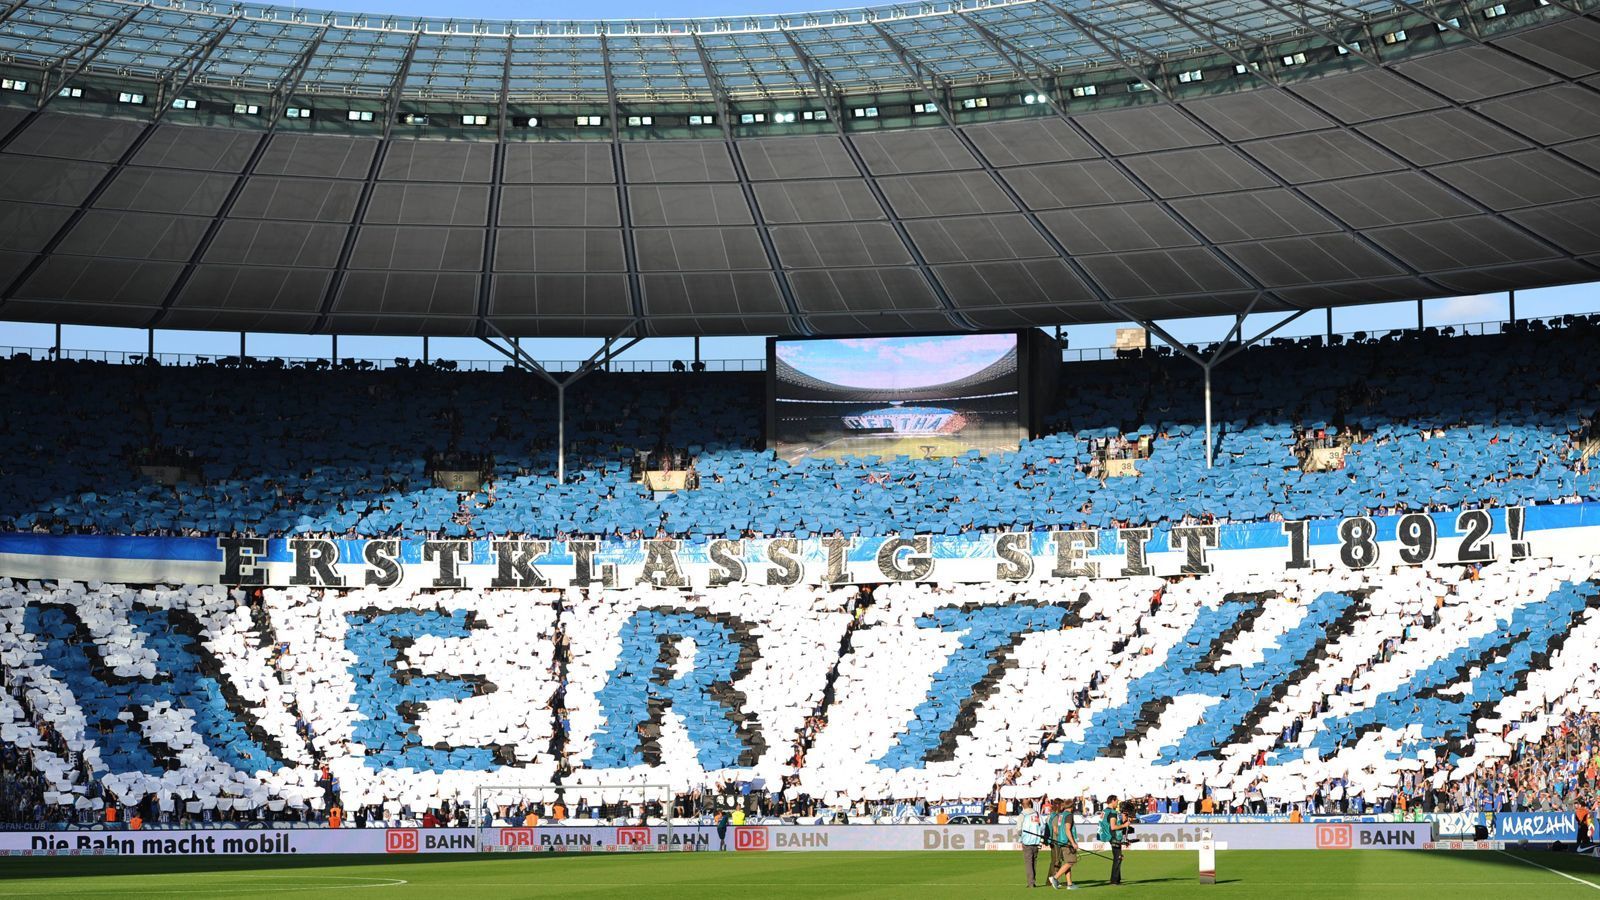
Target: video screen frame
x,y
1021,422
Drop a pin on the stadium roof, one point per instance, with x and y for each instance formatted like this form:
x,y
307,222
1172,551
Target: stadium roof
x,y
364,54
917,167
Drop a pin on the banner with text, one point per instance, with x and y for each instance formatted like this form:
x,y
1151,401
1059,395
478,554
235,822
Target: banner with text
x,y
742,838
1470,536
1536,826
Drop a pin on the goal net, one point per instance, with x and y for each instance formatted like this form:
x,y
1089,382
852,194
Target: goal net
x,y
573,817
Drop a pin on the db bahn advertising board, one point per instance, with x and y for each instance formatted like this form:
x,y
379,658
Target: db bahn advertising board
x,y
627,838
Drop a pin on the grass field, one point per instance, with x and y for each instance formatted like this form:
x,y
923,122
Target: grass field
x,y
1240,874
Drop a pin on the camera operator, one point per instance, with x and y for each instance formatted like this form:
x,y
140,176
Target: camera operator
x,y
1114,829
1031,826
1063,843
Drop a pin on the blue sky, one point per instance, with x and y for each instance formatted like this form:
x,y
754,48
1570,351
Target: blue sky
x,y
1375,317
591,9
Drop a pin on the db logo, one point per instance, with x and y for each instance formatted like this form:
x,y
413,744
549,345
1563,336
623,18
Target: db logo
x,y
633,836
516,837
400,840
750,837
1333,837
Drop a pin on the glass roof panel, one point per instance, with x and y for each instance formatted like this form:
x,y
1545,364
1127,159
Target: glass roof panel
x,y
447,65
356,62
262,56
558,67
1043,35
949,47
657,67
47,31
362,53
158,41
855,57
755,65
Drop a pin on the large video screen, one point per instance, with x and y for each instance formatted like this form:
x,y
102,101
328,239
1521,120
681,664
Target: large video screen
x,y
921,397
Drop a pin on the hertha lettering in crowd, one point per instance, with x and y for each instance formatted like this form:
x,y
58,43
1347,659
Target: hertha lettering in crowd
x,y
1030,445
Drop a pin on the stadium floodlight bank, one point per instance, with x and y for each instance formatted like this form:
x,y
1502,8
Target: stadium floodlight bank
x,y
641,813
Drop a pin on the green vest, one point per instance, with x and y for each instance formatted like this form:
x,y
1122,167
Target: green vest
x,y
1060,828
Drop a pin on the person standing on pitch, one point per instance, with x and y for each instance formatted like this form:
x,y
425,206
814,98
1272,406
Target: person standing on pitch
x,y
722,829
1032,830
1113,830
1063,843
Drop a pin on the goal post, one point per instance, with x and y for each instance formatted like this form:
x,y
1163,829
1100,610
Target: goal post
x,y
610,817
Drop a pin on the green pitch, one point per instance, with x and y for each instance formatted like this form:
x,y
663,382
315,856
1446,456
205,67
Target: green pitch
x,y
1268,875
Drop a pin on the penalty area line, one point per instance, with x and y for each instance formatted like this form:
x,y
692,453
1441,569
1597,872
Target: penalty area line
x,y
1583,881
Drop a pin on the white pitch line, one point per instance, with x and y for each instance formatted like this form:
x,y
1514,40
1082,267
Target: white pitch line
x,y
952,884
1583,881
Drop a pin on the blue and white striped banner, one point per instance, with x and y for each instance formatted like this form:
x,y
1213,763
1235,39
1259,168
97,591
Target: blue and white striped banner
x,y
1471,536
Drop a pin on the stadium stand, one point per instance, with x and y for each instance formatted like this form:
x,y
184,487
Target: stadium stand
x,y
1417,688
1549,766
1431,422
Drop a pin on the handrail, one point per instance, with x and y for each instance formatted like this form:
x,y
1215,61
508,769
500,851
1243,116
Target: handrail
x,y
1087,354
128,357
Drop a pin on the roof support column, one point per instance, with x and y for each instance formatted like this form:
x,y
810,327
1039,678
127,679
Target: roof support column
x,y
491,237
1234,343
11,9
1108,42
831,95
827,91
1015,56
630,252
195,61
391,111
512,349
280,102
725,114
49,91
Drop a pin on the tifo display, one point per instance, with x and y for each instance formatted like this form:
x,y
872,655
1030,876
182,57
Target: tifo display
x,y
1354,691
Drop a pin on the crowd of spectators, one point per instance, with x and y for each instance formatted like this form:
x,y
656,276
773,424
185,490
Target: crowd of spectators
x,y
1554,769
1483,420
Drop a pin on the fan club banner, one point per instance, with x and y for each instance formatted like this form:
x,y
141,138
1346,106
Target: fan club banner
x,y
1469,536
1536,826
743,838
